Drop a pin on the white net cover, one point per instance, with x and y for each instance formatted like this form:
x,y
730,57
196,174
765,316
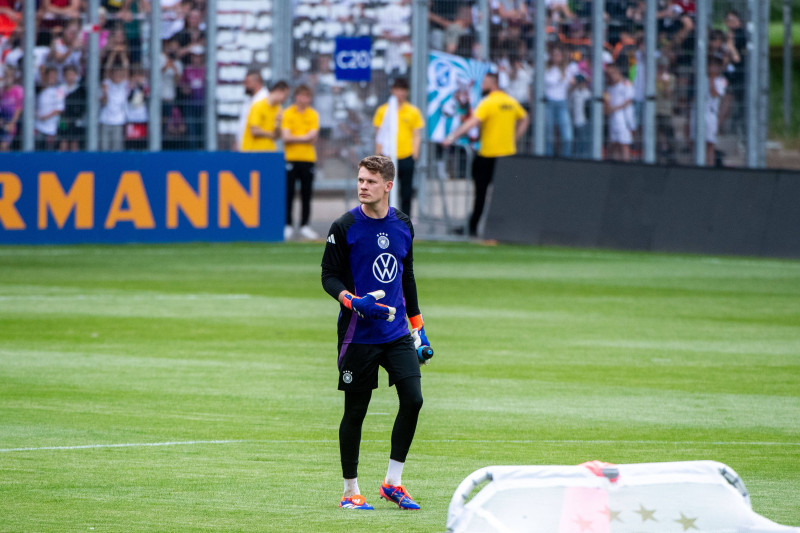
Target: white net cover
x,y
601,498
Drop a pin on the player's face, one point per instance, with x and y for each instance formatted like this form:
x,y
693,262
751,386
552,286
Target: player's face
x,y
372,188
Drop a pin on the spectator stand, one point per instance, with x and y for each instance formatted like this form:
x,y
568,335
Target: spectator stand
x,y
244,39
665,101
63,36
346,108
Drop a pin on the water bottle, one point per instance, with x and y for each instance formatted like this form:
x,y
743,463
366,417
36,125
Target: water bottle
x,y
424,353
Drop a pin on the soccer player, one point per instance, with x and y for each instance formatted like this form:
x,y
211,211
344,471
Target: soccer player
x,y
409,136
300,128
368,257
502,121
264,121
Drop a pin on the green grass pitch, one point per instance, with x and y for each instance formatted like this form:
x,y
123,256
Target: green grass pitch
x,y
193,387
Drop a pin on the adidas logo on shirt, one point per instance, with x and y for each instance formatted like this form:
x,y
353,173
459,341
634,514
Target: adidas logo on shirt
x,y
331,239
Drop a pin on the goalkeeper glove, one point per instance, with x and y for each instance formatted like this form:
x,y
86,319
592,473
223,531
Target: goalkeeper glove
x,y
423,338
366,307
421,342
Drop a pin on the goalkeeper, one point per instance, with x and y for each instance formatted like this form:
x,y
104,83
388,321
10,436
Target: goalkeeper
x,y
368,267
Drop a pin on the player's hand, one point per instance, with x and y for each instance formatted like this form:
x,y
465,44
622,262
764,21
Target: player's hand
x,y
422,347
422,337
421,343
367,307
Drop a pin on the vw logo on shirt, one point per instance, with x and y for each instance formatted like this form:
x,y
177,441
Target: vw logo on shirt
x,y
385,268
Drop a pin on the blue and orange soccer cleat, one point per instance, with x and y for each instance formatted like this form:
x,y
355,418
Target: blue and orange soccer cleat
x,y
399,495
355,502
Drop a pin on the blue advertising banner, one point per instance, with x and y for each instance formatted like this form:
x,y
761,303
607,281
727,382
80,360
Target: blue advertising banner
x,y
61,198
353,59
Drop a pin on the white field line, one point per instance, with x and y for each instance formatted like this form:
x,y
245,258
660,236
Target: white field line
x,y
610,441
433,441
125,445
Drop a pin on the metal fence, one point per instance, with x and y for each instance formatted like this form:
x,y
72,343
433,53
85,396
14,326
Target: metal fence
x,y
168,75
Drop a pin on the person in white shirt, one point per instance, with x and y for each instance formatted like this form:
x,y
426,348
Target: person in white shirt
x,y
72,129
559,9
173,13
559,79
49,106
112,115
619,108
171,73
255,91
578,99
717,85
65,49
136,110
516,78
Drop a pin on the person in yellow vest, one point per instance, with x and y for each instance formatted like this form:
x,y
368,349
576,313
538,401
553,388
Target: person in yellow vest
x,y
409,136
299,131
502,121
264,119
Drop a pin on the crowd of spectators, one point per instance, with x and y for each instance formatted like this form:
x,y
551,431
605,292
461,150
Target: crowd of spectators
x,y
346,109
567,73
60,61
62,39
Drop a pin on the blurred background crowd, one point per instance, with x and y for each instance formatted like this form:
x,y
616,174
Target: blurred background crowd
x,y
345,109
60,60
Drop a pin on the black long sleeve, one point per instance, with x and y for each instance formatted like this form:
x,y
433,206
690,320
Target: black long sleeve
x,y
335,270
410,285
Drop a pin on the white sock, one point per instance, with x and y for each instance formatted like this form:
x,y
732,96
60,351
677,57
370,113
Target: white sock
x,y
395,473
351,487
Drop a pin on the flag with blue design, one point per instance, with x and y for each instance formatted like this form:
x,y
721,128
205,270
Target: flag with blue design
x,y
454,90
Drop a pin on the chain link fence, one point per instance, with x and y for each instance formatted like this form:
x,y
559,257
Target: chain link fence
x,y
347,109
161,84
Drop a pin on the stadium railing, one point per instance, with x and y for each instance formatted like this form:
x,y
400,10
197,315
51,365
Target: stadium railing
x,y
444,192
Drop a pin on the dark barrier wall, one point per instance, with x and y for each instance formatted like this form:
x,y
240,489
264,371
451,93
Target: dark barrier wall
x,y
642,207
141,197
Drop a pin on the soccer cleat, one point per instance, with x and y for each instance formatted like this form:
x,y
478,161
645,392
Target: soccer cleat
x,y
399,495
355,502
288,232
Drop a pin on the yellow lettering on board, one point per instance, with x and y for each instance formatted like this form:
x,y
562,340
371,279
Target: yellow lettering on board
x,y
11,186
53,199
130,188
233,196
180,195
